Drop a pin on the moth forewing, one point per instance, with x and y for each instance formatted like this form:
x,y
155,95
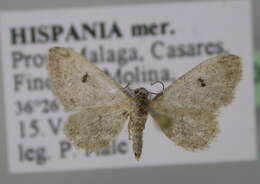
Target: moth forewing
x,y
191,103
102,105
185,111
207,86
78,83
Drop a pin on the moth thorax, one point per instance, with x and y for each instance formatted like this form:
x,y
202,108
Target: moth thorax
x,y
141,93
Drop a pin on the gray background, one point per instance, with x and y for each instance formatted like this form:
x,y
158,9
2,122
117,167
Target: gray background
x,y
231,173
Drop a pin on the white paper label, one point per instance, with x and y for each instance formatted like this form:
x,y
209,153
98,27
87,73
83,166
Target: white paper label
x,y
136,44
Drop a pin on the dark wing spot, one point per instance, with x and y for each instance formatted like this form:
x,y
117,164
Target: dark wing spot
x,y
202,82
72,100
84,78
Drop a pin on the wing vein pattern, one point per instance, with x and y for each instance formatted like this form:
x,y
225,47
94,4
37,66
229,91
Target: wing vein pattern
x,y
101,106
186,111
78,83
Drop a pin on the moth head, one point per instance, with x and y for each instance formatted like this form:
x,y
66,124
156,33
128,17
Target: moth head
x,y
141,92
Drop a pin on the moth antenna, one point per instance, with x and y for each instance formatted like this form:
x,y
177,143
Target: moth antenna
x,y
153,83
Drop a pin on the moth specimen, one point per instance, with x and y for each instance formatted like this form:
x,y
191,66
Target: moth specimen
x,y
185,111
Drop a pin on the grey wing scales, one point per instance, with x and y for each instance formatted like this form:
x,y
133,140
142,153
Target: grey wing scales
x,y
78,83
95,128
186,110
190,128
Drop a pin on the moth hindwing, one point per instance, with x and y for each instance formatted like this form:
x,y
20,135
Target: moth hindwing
x,y
185,111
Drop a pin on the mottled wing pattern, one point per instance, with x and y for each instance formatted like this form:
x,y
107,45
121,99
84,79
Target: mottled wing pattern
x,y
95,128
78,83
186,110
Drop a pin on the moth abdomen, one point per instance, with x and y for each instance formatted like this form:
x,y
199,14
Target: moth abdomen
x,y
185,111
138,119
137,125
137,137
